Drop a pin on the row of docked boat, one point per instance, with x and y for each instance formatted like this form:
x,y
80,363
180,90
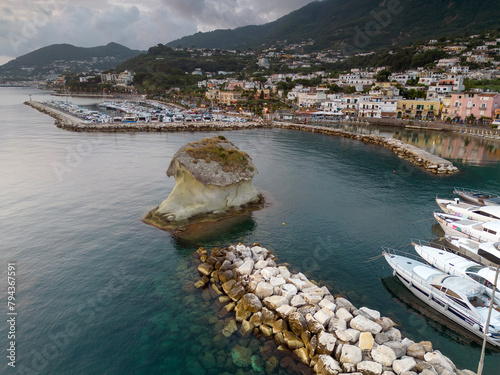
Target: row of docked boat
x,y
87,115
459,281
145,111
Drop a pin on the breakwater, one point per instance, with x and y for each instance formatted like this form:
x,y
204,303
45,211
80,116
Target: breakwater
x,y
309,330
415,155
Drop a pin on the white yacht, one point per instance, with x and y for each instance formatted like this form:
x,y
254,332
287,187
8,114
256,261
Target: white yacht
x,y
469,211
464,301
477,230
453,264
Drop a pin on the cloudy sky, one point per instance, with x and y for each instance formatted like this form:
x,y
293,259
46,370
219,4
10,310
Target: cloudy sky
x,y
26,25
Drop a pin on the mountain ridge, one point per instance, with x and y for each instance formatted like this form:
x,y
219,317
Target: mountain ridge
x,y
62,57
333,23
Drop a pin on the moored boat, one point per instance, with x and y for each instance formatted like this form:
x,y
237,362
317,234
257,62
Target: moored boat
x,y
129,117
456,265
469,211
478,197
464,301
477,230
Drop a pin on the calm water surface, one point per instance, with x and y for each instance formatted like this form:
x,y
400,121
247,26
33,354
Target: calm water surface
x,y
100,292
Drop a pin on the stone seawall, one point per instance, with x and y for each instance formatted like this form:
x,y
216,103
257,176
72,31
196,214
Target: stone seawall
x,y
309,329
415,155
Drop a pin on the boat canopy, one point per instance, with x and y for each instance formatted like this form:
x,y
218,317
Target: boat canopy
x,y
459,284
425,272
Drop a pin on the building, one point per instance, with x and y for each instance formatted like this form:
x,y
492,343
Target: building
x,y
125,78
473,107
311,99
368,106
223,96
418,109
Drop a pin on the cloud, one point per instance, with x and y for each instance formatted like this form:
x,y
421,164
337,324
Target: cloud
x,y
26,25
213,14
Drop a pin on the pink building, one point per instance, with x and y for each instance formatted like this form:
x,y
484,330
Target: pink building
x,y
481,105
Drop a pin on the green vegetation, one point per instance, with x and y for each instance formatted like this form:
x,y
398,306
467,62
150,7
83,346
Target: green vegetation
x,y
331,23
485,84
209,149
401,59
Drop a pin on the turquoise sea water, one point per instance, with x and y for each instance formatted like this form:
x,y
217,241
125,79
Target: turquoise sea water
x,y
100,292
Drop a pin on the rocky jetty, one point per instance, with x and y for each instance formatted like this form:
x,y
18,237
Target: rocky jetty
x,y
213,177
414,155
309,329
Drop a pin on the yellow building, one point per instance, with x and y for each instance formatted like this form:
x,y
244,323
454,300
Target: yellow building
x,y
418,109
229,97
223,97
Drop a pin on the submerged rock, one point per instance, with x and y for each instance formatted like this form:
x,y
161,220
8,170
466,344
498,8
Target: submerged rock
x,y
212,177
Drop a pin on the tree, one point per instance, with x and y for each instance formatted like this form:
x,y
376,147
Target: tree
x,y
383,75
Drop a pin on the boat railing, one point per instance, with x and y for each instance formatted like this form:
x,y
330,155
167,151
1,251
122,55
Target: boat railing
x,y
418,242
392,251
458,190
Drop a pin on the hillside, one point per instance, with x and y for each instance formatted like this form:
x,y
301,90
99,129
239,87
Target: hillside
x,y
331,23
61,58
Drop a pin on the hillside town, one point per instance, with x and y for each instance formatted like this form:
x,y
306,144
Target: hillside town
x,y
461,88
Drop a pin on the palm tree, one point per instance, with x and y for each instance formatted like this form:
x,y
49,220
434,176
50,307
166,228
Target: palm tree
x,y
471,119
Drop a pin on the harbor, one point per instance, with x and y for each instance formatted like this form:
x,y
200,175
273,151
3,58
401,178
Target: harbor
x,y
64,120
339,200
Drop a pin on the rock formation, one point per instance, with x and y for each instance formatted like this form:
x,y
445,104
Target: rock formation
x,y
212,177
309,330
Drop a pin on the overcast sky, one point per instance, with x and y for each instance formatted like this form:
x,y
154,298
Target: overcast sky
x,y
26,25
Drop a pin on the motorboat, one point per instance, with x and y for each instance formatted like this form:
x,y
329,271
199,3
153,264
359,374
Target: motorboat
x,y
129,117
469,211
478,197
465,302
477,230
470,248
453,264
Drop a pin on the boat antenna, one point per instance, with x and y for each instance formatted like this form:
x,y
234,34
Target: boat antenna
x,y
493,255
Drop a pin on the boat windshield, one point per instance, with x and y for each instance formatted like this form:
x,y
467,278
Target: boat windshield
x,y
474,269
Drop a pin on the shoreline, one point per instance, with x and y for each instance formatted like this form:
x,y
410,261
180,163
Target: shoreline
x,y
421,158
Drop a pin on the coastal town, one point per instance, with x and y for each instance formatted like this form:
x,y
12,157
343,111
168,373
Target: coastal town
x,y
460,88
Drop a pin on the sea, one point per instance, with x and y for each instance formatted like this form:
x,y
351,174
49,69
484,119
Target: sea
x,y
98,291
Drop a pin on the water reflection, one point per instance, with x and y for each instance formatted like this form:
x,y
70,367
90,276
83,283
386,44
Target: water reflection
x,y
232,230
468,149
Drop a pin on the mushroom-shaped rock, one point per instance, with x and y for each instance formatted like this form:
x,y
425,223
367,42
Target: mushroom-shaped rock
x,y
212,176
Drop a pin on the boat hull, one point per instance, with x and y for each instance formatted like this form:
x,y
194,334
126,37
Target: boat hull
x,y
432,299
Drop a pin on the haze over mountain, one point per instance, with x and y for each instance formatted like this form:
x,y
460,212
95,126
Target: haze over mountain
x,y
357,25
61,58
